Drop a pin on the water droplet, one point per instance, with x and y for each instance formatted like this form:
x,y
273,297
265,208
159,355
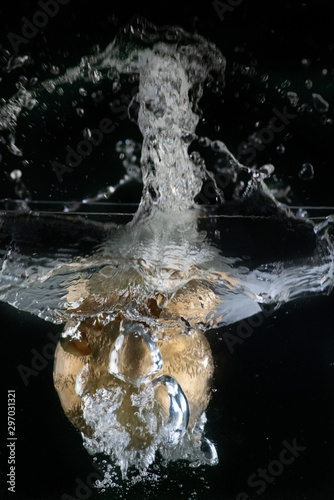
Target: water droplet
x,y
22,81
80,112
94,75
293,98
12,146
54,70
319,103
245,70
31,103
87,134
49,86
285,84
306,63
307,172
218,146
305,108
16,175
82,91
33,81
308,84
280,149
16,62
267,170
116,87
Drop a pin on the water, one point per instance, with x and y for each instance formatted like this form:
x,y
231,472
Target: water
x,y
133,369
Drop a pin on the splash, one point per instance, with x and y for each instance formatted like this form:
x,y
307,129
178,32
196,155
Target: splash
x,y
133,367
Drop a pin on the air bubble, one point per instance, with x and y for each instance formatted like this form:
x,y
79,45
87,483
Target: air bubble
x,y
82,91
196,157
308,84
306,63
209,451
280,149
188,138
178,409
134,336
204,142
80,112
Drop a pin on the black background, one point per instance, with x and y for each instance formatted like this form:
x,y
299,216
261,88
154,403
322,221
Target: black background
x,y
279,384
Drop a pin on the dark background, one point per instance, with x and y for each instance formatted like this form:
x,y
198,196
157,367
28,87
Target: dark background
x,y
279,384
